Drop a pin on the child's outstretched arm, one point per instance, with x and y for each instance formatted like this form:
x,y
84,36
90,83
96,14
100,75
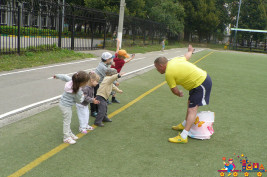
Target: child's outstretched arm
x,y
62,77
114,88
118,45
132,57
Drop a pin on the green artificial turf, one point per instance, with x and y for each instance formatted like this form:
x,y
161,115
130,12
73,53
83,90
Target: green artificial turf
x,y
136,142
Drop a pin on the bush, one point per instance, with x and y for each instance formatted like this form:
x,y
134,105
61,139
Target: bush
x,y
28,31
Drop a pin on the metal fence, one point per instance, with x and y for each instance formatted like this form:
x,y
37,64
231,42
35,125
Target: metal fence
x,y
250,42
44,25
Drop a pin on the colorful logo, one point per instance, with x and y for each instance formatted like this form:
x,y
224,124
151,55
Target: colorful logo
x,y
247,167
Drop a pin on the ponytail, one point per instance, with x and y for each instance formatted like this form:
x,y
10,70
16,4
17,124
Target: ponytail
x,y
77,79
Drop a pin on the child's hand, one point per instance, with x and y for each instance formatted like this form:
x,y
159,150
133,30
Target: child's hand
x,y
95,101
117,84
122,73
133,55
120,91
113,63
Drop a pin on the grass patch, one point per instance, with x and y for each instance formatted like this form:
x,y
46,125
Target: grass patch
x,y
140,48
135,143
32,59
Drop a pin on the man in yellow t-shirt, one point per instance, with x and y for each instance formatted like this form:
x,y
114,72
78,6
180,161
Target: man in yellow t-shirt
x,y
179,71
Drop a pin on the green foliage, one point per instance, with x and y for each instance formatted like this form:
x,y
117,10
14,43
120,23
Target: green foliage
x,y
253,16
26,31
202,17
31,31
169,13
133,7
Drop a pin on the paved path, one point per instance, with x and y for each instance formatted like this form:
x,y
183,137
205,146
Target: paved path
x,y
21,88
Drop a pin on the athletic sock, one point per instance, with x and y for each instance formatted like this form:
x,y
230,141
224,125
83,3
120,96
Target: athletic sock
x,y
184,122
113,98
184,134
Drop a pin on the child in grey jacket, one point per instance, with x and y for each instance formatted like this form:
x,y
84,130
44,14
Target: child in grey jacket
x,y
72,94
82,108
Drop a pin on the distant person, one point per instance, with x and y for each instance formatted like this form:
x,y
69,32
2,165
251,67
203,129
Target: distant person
x,y
119,61
106,61
163,45
72,94
114,36
179,71
103,93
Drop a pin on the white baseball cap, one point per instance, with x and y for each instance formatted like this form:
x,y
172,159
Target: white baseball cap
x,y
106,56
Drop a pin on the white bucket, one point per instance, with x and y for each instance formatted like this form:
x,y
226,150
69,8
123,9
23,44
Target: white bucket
x,y
203,126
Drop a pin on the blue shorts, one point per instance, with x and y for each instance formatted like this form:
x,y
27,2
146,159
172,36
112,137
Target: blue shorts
x,y
200,95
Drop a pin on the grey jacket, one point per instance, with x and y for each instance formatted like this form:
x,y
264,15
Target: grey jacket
x,y
69,98
88,92
101,71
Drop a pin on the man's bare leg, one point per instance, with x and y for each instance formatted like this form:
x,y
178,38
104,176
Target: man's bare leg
x,y
190,119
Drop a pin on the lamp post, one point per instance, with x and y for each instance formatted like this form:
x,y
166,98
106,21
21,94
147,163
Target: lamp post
x,y
121,18
240,1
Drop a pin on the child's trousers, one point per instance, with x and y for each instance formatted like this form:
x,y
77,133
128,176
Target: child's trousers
x,y
102,110
83,115
67,114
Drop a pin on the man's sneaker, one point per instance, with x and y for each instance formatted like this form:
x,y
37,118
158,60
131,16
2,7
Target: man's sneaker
x,y
83,131
94,114
178,139
69,140
89,127
108,102
74,137
115,101
178,127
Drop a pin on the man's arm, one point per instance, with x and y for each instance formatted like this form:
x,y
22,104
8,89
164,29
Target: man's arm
x,y
189,53
177,92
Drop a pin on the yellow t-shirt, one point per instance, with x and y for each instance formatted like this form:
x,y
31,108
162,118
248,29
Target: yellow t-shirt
x,y
181,72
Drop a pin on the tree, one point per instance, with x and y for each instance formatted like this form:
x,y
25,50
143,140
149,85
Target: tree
x,y
202,17
252,16
169,13
133,7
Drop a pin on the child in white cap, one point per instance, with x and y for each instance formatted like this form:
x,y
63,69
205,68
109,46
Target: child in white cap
x,y
106,61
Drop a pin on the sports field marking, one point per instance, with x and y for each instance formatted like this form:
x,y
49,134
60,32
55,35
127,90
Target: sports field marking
x,y
59,148
203,58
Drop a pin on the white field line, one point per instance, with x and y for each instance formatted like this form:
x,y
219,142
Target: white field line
x,y
139,59
28,107
2,116
47,67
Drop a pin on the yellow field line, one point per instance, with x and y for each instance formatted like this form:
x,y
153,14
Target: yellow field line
x,y
203,58
59,148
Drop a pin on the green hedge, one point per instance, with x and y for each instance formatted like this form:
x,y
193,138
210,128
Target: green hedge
x,y
29,31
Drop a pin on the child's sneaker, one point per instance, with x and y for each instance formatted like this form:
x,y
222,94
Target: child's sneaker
x,y
74,137
83,131
89,127
69,140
